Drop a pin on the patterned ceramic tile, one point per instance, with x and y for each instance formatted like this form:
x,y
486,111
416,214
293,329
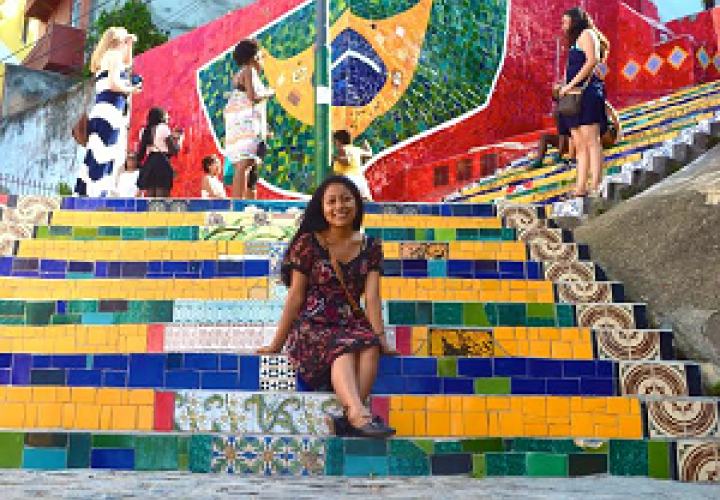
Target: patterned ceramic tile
x,y
653,379
628,345
270,456
570,271
10,232
584,292
682,419
606,316
698,461
521,218
461,343
31,210
252,224
553,251
424,251
260,413
201,338
277,374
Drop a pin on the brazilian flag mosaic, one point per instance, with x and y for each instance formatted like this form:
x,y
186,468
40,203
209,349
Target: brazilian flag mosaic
x,y
399,68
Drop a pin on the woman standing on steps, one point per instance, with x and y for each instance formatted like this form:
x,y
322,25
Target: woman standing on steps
x,y
329,265
588,47
106,147
246,119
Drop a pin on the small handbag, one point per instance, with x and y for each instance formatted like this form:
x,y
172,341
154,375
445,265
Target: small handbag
x,y
571,103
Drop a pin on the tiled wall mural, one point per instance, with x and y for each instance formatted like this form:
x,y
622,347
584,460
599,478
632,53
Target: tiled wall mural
x,y
403,74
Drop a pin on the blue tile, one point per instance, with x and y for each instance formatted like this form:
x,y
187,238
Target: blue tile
x,y
21,369
437,268
545,368
146,370
389,385
605,368
249,379
70,361
110,362
218,380
182,380
44,458
527,386
42,361
578,368
53,266
201,361
112,458
229,362
534,271
98,318
257,268
231,268
195,266
114,379
458,386
155,267
61,307
510,367
209,269
392,267
390,365
422,385
174,361
6,266
101,269
114,270
597,386
5,376
362,466
512,267
84,378
134,269
80,267
460,269
563,387
419,366
475,367
175,267
6,360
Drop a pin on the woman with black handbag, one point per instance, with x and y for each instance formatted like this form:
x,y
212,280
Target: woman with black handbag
x,y
582,98
159,144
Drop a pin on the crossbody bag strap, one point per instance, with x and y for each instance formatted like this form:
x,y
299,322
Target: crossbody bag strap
x,y
357,310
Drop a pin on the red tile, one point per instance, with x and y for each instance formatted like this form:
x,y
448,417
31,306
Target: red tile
x,y
156,338
3,199
403,340
380,406
164,411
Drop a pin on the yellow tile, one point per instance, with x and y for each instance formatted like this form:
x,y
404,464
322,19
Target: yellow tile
x,y
494,424
12,416
44,394
420,423
395,403
141,397
559,430
124,418
68,415
438,424
630,427
146,418
558,407
108,396
498,403
438,403
535,430
618,406
84,394
403,423
535,406
475,424
87,417
31,415
473,404
511,425
19,394
457,427
414,403
561,350
106,418
50,416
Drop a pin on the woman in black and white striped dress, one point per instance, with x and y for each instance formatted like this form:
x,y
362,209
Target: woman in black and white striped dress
x,y
108,119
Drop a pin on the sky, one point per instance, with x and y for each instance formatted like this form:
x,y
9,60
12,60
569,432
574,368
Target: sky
x,y
672,9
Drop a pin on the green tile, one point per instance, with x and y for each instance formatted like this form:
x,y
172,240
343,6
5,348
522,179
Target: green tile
x,y
628,458
508,234
133,233
479,466
374,232
447,367
565,315
426,445
401,313
445,447
467,234
42,233
475,315
79,445
334,456
516,464
546,311
512,314
11,450
482,445
424,313
62,231
110,232
448,313
82,306
200,452
156,453
39,313
492,385
659,460
85,233
444,234
544,445
547,465
366,447
65,319
12,307
113,441
407,449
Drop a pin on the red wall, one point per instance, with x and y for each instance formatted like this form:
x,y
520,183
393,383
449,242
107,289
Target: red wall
x,y
519,105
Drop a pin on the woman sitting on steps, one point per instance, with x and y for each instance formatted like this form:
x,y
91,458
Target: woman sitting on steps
x,y
329,265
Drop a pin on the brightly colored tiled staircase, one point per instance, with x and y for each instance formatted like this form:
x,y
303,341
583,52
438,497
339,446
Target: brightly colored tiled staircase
x,y
661,129
128,328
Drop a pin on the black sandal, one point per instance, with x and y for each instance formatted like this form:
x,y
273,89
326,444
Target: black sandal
x,y
375,428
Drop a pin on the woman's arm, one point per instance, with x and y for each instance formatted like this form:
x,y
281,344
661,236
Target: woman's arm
x,y
373,309
115,82
254,88
586,42
293,304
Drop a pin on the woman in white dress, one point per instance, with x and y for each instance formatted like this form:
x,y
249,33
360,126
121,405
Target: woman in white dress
x,y
246,119
108,118
127,180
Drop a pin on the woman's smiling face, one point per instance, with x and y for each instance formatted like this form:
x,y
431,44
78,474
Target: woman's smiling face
x,y
339,206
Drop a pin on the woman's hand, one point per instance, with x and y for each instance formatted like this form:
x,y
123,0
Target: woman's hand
x,y
270,349
564,90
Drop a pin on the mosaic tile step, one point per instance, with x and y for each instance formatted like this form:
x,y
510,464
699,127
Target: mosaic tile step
x,y
397,375
260,455
396,313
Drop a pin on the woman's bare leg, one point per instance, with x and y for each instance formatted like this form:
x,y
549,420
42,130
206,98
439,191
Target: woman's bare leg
x,y
582,162
367,368
345,384
596,158
239,185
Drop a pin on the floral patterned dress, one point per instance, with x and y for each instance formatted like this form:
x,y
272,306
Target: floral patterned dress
x,y
326,327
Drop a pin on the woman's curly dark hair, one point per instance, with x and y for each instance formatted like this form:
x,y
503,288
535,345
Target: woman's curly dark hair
x,y
245,51
313,220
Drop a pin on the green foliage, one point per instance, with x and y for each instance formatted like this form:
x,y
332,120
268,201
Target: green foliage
x,y
63,189
134,16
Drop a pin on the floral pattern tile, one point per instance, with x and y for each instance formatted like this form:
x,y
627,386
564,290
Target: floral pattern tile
x,y
269,456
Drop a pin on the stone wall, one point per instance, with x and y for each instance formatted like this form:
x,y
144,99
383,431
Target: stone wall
x,y
25,87
36,145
